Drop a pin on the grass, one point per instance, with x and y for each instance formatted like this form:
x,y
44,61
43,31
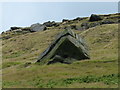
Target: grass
x,y
101,71
13,55
105,79
57,75
9,64
10,83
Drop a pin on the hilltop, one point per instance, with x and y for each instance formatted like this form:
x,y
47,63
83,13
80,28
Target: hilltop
x,y
21,50
75,24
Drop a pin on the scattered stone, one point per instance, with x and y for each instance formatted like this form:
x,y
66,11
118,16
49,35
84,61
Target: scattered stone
x,y
65,20
6,37
18,30
78,27
14,28
85,26
67,27
94,24
65,24
50,24
26,29
107,22
73,27
78,18
27,64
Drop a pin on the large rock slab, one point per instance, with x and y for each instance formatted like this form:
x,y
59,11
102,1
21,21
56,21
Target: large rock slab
x,y
67,48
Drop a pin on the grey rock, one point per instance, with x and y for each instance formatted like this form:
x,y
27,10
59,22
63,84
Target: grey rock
x,y
78,18
65,20
85,26
73,27
95,17
50,24
14,28
37,27
67,47
107,22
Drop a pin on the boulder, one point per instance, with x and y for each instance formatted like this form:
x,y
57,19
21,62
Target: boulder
x,y
95,17
94,24
73,27
67,48
14,28
50,24
65,20
37,27
85,26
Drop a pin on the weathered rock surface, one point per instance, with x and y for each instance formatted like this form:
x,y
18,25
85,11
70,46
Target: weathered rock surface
x,y
68,47
37,27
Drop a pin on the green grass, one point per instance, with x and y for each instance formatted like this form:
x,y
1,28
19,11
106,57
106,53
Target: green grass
x,y
9,64
105,79
60,75
10,83
13,55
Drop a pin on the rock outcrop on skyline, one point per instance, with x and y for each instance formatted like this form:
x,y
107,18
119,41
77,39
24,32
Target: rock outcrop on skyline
x,y
79,23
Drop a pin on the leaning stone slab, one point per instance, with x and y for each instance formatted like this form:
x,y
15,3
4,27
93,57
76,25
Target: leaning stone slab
x,y
67,47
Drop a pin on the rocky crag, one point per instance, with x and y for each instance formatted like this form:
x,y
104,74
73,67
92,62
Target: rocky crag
x,y
75,24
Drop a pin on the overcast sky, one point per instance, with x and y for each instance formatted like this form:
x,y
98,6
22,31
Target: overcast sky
x,y
27,13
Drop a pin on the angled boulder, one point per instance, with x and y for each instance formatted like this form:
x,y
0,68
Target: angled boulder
x,y
67,47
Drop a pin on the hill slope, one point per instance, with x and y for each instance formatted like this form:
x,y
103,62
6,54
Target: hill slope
x,y
100,71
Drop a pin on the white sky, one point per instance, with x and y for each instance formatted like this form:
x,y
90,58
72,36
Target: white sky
x,y
59,0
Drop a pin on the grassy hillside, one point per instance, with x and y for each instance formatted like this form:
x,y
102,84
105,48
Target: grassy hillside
x,y
101,71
